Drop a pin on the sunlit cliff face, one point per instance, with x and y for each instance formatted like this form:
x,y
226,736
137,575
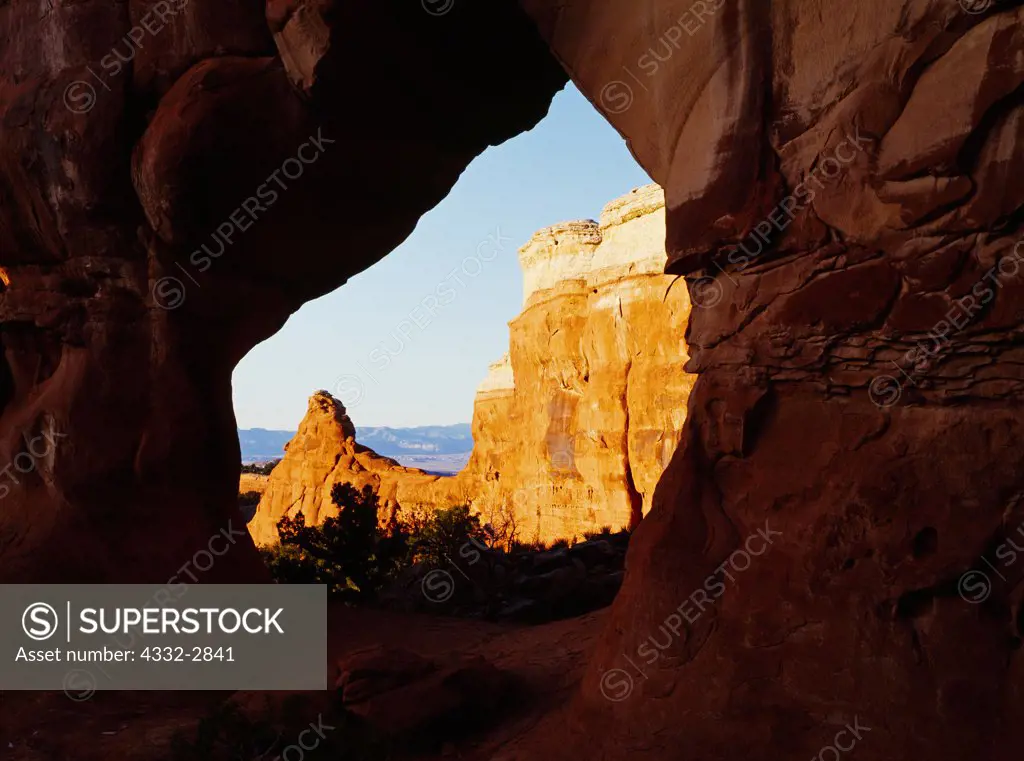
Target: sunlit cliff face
x,y
574,426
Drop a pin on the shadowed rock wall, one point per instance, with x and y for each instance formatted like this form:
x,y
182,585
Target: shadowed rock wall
x,y
169,193
843,194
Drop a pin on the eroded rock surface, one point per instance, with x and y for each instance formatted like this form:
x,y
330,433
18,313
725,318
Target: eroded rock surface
x,y
136,134
573,428
417,699
324,452
843,190
886,131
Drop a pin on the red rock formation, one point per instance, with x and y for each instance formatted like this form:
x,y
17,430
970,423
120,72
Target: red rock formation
x,y
252,482
859,374
573,427
413,698
119,331
864,152
324,452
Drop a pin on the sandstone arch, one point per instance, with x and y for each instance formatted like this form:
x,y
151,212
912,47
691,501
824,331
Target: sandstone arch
x,y
901,117
113,332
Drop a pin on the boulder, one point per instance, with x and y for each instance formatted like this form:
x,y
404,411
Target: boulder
x,y
420,700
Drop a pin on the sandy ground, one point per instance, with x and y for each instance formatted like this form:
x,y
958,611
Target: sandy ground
x,y
547,662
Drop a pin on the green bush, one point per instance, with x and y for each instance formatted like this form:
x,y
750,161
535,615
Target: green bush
x,y
444,534
290,565
355,556
349,553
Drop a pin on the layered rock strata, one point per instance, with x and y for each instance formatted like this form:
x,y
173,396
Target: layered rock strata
x,y
573,428
844,195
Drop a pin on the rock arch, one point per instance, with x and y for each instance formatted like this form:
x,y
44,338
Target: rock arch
x,y
860,374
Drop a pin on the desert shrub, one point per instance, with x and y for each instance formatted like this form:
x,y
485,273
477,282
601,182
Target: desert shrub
x,y
290,565
441,537
356,556
619,538
604,533
501,526
349,553
519,548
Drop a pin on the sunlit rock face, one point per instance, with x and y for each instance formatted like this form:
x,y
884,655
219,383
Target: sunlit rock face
x,y
597,355
573,428
322,453
252,482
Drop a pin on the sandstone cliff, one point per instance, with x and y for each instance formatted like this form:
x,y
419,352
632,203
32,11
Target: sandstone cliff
x,y
845,197
573,428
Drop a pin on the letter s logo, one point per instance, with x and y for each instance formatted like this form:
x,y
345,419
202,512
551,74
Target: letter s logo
x,y
39,621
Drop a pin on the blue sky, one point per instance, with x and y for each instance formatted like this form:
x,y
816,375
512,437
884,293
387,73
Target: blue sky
x,y
374,342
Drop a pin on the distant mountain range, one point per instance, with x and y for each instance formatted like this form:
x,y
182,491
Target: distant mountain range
x,y
262,444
